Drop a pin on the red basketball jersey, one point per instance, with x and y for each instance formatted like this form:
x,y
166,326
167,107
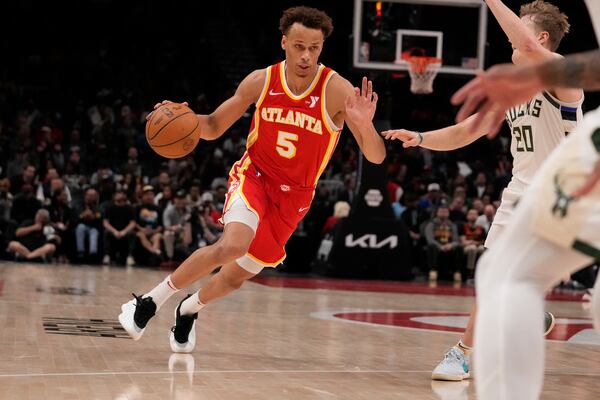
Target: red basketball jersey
x,y
291,137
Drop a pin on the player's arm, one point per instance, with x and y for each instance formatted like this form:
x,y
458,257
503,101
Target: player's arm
x,y
525,41
493,92
519,35
577,70
212,126
357,108
445,139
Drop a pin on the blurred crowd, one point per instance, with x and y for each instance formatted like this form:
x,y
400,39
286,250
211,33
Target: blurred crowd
x,y
84,186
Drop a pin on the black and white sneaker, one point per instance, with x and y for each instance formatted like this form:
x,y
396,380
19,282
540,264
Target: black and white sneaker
x,y
183,335
135,314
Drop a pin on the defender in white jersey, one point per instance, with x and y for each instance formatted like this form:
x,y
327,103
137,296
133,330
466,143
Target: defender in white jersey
x,y
537,127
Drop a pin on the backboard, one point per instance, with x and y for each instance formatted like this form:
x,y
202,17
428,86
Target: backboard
x,y
453,30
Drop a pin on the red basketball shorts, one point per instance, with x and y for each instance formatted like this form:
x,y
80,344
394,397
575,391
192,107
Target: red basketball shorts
x,y
278,208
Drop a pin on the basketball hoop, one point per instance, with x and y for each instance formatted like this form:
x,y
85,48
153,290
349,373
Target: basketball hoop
x,y
423,70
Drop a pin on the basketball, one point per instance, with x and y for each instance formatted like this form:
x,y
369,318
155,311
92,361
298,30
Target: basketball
x,y
172,130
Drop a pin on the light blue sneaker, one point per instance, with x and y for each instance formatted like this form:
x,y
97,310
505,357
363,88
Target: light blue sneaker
x,y
454,367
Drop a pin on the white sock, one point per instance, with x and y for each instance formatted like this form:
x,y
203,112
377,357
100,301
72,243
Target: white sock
x,y
162,292
463,347
191,305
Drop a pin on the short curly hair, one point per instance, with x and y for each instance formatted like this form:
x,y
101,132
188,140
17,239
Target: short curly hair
x,y
548,18
307,16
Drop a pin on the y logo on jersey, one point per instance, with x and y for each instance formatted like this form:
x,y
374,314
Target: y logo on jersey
x,y
312,102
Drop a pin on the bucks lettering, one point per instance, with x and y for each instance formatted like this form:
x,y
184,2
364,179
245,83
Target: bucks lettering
x,y
523,134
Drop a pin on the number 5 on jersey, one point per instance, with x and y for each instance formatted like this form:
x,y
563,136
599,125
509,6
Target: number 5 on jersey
x,y
285,146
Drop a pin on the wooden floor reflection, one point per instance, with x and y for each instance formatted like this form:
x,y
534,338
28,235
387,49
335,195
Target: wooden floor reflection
x,y
59,339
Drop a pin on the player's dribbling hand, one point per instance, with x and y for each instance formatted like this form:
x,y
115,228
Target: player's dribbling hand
x,y
410,138
185,103
361,107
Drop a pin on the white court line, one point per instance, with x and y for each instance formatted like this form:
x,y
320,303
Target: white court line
x,y
232,371
259,371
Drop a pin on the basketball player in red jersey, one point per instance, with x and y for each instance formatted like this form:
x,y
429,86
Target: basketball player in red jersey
x,y
301,107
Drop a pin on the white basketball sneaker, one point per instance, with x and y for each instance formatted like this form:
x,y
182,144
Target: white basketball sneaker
x,y
183,335
135,314
454,367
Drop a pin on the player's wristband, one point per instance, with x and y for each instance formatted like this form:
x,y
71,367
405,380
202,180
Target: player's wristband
x,y
420,138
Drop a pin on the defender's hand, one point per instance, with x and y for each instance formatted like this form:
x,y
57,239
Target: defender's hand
x,y
410,138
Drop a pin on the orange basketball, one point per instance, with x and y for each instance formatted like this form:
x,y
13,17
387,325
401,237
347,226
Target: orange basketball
x,y
172,130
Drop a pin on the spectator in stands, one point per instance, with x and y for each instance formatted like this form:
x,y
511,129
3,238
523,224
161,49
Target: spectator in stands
x,y
132,165
443,245
433,199
62,219
89,225
211,214
415,218
397,207
164,198
35,240
148,220
76,144
478,205
119,225
51,184
174,218
74,179
57,157
234,140
194,196
197,232
472,237
25,205
457,210
341,209
220,197
485,220
6,199
479,186
130,185
15,168
103,181
27,176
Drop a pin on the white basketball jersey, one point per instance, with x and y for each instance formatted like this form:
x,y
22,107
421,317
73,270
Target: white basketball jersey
x,y
537,128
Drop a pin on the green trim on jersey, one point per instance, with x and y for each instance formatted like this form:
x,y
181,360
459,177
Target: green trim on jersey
x,y
587,249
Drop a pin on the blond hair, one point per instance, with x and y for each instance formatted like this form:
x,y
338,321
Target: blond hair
x,y
548,18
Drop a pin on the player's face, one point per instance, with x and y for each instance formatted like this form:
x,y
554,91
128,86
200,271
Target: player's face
x,y
302,47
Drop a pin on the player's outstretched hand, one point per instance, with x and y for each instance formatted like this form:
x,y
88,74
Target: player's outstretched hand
x,y
590,183
185,103
494,92
361,107
409,138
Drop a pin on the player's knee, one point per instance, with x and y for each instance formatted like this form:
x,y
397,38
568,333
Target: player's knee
x,y
12,246
230,250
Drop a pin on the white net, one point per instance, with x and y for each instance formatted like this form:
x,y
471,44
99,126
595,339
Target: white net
x,y
422,73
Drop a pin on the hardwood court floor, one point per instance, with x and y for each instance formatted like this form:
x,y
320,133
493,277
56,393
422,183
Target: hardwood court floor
x,y
276,338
